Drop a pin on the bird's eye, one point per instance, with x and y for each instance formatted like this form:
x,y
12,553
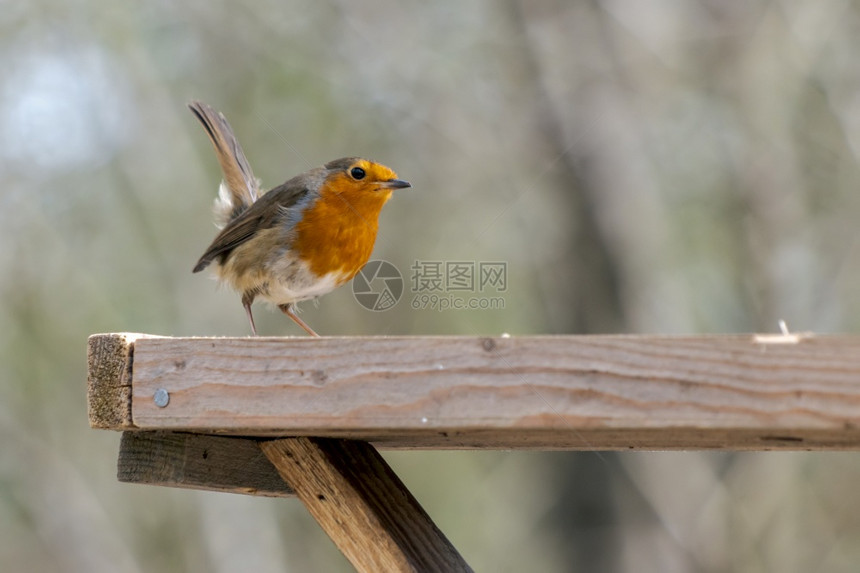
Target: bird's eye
x,y
357,173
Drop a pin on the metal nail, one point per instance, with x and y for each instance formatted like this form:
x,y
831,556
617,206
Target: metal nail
x,y
161,398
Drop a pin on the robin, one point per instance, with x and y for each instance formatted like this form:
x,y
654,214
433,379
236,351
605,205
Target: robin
x,y
300,240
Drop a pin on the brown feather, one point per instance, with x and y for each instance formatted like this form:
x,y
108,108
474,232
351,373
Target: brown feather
x,y
240,180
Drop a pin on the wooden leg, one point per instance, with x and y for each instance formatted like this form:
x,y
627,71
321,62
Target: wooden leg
x,y
362,505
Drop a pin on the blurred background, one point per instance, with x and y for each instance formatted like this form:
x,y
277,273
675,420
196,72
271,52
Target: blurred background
x,y
640,167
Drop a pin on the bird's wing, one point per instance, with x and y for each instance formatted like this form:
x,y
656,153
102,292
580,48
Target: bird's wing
x,y
265,213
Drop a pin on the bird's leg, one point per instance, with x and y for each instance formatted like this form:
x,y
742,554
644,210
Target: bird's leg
x,y
247,299
289,311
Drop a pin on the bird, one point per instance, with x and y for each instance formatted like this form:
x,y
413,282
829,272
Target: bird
x,y
299,240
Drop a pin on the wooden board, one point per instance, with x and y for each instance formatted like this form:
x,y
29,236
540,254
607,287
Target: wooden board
x,y
546,392
363,506
215,463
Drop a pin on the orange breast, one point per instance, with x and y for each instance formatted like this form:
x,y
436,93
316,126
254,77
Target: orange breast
x,y
337,233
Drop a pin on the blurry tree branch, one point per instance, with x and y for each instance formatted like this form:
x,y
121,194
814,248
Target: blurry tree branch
x,y
593,300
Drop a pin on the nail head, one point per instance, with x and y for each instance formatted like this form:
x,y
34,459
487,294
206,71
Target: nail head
x,y
161,398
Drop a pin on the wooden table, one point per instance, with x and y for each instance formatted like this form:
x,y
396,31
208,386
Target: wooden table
x,y
303,416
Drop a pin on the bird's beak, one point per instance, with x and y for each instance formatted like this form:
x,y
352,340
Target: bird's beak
x,y
396,184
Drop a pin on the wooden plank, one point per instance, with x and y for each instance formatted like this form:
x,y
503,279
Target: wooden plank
x,y
215,463
541,392
363,506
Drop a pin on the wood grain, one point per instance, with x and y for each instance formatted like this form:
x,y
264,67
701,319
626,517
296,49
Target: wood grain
x,y
109,360
215,463
363,506
542,392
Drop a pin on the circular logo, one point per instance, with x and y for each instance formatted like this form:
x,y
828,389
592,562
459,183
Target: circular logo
x,y
378,286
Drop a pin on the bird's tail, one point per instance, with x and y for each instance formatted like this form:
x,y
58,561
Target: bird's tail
x,y
240,188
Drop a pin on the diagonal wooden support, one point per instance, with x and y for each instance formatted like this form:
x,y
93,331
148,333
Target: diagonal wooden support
x,y
362,505
346,485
